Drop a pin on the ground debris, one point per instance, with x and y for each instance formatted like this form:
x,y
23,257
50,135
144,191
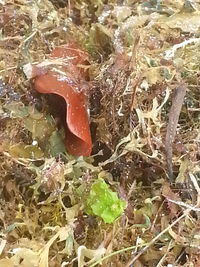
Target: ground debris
x,y
142,58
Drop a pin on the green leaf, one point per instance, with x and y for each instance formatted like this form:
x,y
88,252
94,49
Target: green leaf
x,y
56,144
17,109
40,128
22,150
104,203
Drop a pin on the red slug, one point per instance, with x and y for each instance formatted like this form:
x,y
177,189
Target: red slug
x,y
67,79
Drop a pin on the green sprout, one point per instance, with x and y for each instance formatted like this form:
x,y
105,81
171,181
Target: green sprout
x,y
103,202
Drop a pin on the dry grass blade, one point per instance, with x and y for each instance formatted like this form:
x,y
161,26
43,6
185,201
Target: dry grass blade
x,y
196,186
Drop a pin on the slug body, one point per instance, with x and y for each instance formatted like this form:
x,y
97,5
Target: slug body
x,y
68,80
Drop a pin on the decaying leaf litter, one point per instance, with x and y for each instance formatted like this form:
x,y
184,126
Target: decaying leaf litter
x,y
144,120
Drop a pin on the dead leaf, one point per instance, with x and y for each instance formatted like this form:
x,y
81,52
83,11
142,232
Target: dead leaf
x,y
186,22
25,257
44,253
7,263
92,254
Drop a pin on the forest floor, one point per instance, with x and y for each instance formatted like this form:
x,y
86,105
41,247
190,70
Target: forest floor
x,y
136,200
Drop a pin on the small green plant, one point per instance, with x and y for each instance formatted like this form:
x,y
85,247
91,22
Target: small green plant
x,y
103,202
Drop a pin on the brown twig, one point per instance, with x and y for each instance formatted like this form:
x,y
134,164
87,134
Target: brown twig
x,y
174,114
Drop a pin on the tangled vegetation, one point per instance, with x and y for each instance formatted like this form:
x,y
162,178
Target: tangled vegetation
x,y
136,199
